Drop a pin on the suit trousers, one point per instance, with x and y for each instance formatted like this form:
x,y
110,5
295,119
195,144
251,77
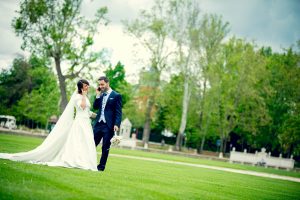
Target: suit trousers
x,y
102,131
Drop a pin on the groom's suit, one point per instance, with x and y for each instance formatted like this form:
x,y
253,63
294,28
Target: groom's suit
x,y
105,121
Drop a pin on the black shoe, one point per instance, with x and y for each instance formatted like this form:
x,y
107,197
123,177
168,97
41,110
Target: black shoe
x,y
100,168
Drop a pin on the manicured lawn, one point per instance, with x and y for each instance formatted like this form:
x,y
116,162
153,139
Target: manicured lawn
x,y
281,172
131,179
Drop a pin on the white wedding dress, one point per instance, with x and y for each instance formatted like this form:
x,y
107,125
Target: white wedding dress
x,y
70,143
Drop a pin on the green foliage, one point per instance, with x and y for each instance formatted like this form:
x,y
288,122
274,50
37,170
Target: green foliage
x,y
236,89
211,33
246,71
132,111
14,83
283,103
289,136
56,26
135,109
118,83
150,30
171,102
41,103
237,84
29,90
55,29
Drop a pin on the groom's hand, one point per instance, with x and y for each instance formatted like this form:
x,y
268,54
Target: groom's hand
x,y
98,92
116,128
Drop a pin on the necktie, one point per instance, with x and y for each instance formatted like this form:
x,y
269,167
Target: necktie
x,y
104,100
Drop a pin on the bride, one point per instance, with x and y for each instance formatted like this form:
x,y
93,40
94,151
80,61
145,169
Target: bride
x,y
71,142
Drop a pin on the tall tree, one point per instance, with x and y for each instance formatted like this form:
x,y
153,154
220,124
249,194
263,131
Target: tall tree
x,y
41,103
239,82
117,82
282,134
212,30
171,102
133,109
33,90
55,29
184,17
151,31
14,83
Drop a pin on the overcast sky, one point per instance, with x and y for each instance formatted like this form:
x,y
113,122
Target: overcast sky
x,y
274,23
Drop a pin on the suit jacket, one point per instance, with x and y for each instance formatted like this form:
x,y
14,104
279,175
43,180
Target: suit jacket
x,y
112,110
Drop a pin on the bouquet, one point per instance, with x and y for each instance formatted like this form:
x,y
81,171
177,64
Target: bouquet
x,y
115,140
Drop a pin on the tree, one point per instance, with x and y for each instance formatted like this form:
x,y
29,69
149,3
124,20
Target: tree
x,y
33,90
171,102
14,83
40,104
184,17
282,133
212,30
151,31
239,82
117,81
133,109
56,29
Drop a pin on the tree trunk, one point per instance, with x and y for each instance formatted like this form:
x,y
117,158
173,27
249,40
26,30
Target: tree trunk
x,y
201,118
202,144
223,144
146,132
221,125
62,85
200,149
185,105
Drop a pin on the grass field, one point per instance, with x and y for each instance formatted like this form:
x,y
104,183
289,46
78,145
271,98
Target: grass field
x,y
135,179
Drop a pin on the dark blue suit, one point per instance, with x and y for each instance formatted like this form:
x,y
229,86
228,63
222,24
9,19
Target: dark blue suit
x,y
113,116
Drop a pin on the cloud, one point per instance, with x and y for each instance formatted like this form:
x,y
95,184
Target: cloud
x,y
122,49
272,23
10,43
117,10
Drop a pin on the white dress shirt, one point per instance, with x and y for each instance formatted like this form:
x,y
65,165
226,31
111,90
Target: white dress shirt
x,y
102,117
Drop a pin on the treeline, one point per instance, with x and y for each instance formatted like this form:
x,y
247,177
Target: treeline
x,y
254,103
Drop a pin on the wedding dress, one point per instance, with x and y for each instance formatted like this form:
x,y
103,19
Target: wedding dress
x,y
70,143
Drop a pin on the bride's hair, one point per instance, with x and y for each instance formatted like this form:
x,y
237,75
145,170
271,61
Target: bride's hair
x,y
80,84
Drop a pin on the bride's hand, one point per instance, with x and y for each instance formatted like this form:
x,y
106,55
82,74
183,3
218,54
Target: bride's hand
x,y
84,92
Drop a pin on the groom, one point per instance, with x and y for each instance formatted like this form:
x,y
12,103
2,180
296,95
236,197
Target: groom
x,y
108,119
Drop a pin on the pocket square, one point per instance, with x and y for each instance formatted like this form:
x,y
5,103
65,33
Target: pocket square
x,y
111,98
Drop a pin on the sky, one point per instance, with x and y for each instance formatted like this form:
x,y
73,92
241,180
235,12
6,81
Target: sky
x,y
274,23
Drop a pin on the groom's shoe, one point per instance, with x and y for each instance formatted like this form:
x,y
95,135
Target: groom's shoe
x,y
100,168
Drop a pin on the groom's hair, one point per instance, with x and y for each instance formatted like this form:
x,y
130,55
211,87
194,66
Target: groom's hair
x,y
103,78
80,85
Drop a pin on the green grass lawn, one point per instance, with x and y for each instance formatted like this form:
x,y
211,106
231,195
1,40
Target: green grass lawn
x,y
133,179
179,158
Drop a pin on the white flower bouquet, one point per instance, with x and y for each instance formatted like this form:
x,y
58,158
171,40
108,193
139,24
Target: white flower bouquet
x,y
115,140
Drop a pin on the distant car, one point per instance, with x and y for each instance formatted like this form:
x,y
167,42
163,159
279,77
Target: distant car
x,y
7,121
